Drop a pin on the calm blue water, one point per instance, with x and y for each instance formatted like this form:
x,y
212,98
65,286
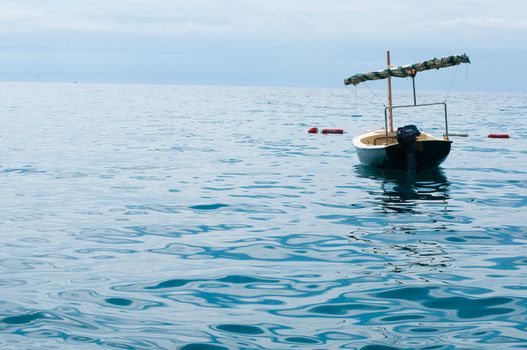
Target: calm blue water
x,y
207,218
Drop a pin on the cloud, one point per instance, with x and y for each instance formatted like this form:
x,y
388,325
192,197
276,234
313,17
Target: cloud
x,y
284,35
21,17
257,18
482,22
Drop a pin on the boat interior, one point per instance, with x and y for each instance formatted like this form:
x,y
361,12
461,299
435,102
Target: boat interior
x,y
379,138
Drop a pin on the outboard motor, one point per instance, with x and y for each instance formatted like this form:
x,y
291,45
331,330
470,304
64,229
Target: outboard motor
x,y
406,137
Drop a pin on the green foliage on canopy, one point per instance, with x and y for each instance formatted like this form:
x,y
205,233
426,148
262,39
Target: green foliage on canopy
x,y
409,69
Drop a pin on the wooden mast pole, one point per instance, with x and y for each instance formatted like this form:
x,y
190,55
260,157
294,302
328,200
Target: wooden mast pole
x,y
389,92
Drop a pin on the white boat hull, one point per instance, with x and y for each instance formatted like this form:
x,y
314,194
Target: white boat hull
x,y
375,150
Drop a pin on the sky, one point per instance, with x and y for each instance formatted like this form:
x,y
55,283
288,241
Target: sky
x,y
261,42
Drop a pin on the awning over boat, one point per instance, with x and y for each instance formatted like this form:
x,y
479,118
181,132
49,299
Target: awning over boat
x,y
409,69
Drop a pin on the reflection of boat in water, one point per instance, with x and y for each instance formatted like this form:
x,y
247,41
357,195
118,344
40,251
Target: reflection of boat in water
x,y
406,148
401,192
411,204
409,230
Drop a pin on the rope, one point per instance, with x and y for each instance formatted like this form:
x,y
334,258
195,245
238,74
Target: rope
x,y
373,93
356,99
366,100
451,83
369,101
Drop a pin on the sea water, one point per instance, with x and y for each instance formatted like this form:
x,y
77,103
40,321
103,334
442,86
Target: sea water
x,y
207,218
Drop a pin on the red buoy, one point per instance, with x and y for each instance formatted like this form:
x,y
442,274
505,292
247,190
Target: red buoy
x,y
313,130
499,136
333,131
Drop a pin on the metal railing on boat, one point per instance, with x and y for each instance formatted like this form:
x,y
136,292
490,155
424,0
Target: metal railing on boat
x,y
415,105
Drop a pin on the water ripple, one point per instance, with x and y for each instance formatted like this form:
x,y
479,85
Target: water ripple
x,y
208,218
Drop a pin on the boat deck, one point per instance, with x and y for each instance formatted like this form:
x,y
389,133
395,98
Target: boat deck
x,y
378,138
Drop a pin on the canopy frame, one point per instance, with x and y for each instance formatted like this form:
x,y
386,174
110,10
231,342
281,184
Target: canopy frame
x,y
409,70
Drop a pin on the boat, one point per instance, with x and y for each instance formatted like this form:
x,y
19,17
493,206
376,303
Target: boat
x,y
407,147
